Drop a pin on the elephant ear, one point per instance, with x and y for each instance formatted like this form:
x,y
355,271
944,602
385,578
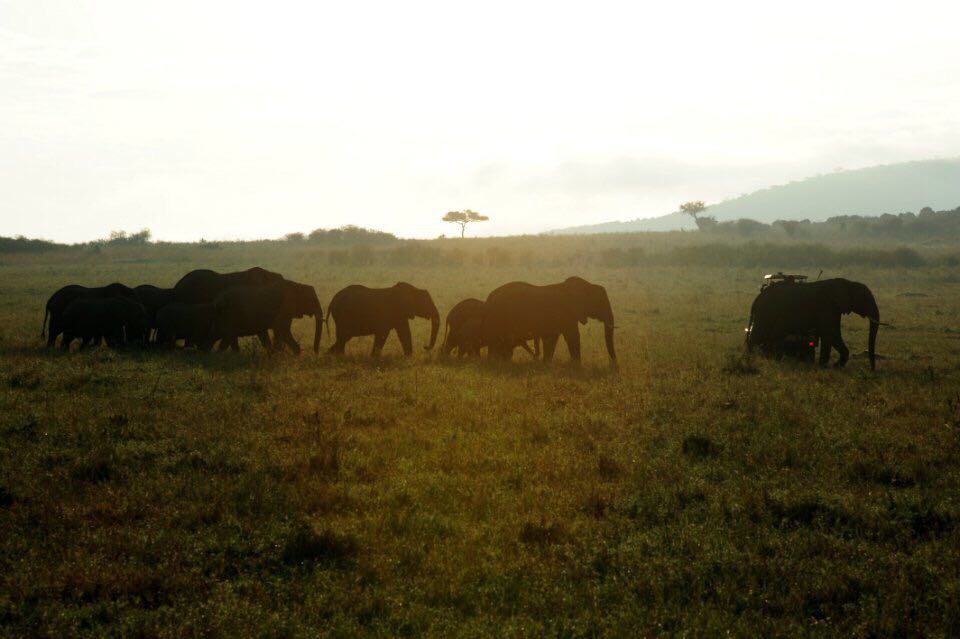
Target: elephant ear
x,y
301,296
841,297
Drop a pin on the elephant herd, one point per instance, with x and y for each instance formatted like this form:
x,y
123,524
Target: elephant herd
x,y
206,307
203,308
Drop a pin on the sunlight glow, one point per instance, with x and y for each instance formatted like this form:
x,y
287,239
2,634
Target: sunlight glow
x,y
243,120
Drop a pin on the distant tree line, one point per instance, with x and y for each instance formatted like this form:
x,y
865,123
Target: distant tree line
x,y
122,238
21,244
345,235
721,254
928,224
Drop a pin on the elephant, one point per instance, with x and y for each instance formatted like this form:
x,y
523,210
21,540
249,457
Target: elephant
x,y
60,300
195,324
463,330
252,310
203,285
358,310
118,320
788,308
518,310
153,299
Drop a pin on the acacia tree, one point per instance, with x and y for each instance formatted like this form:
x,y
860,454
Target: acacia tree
x,y
693,209
463,218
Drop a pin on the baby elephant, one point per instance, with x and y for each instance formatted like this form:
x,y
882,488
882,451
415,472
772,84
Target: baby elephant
x,y
118,320
195,324
464,330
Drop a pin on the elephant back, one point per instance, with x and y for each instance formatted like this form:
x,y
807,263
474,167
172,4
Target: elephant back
x,y
65,296
62,298
348,298
204,285
465,310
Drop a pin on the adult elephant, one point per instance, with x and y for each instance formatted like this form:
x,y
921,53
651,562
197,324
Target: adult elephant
x,y
118,320
789,308
195,324
153,299
253,310
65,296
203,285
463,330
519,309
358,310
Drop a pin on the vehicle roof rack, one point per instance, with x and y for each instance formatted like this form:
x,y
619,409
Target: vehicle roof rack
x,y
785,276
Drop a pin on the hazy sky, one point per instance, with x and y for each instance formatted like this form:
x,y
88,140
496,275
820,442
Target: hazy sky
x,y
241,119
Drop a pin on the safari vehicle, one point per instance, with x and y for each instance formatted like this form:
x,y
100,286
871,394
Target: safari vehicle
x,y
801,346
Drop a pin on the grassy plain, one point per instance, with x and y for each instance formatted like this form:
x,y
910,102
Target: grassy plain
x,y
692,493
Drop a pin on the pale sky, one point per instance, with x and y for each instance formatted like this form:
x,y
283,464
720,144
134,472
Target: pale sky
x,y
236,119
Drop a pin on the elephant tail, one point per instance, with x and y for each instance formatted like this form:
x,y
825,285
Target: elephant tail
x,y
43,327
326,322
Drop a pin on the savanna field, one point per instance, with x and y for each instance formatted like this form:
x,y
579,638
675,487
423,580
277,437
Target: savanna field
x,y
695,491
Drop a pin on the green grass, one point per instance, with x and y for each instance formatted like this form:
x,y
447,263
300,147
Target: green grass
x,y
693,492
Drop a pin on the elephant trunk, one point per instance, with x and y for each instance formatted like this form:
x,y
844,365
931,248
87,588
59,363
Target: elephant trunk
x,y
318,330
434,328
606,316
608,336
872,342
872,313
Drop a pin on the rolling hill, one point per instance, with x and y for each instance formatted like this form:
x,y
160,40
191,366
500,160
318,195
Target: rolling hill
x,y
891,188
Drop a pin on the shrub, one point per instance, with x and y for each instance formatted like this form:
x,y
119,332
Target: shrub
x,y
542,534
350,235
740,364
699,447
304,544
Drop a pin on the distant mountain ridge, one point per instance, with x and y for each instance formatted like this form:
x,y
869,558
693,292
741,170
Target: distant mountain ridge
x,y
889,188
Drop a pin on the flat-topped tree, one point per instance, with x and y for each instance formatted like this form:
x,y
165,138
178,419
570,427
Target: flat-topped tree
x,y
693,209
463,218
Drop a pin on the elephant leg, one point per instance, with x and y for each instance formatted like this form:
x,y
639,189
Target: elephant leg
x,y
264,338
825,346
842,349
448,345
504,349
379,339
549,346
52,332
340,345
283,336
572,337
292,343
406,341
